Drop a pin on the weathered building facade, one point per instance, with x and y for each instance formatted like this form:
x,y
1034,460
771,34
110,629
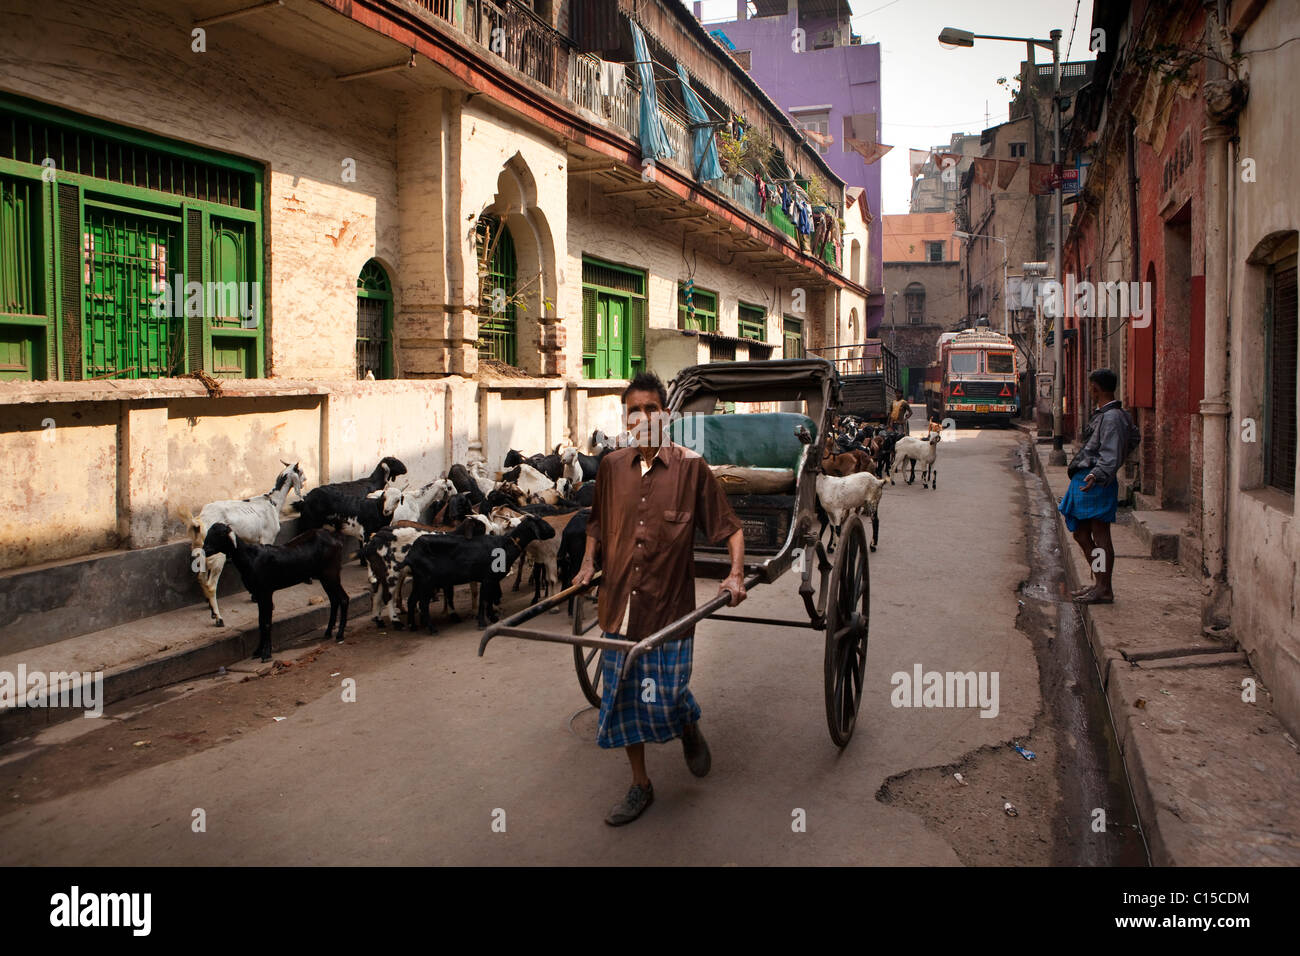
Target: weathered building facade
x,y
453,198
1188,193
923,286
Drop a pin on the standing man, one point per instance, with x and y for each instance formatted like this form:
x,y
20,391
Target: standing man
x,y
1089,504
649,500
900,417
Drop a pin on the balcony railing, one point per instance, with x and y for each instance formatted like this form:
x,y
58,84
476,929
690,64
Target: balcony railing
x,y
512,31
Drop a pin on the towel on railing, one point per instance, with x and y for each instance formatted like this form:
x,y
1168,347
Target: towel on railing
x,y
707,166
612,77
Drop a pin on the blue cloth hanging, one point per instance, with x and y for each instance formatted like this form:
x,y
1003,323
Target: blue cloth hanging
x,y
654,138
805,217
707,166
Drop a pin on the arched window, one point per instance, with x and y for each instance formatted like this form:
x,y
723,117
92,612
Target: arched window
x,y
497,270
915,295
374,321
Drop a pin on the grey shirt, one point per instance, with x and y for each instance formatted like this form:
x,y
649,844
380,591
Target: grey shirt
x,y
1105,441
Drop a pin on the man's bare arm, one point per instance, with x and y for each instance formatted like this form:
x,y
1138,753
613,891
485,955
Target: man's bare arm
x,y
735,580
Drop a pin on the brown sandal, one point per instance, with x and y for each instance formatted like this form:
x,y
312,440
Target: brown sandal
x,y
1092,597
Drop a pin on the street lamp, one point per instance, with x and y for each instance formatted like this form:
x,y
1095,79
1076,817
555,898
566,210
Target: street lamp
x,y
959,234
952,37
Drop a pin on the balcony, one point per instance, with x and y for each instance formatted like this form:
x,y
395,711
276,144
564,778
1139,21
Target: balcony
x,y
524,40
511,31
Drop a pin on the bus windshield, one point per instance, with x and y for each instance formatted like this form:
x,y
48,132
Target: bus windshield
x,y
963,362
1001,362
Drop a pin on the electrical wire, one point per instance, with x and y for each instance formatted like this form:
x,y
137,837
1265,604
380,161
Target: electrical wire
x,y
1072,26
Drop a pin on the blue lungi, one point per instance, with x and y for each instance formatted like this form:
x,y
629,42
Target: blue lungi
x,y
1099,504
627,716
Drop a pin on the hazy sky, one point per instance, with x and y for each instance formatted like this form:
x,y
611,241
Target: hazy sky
x,y
929,92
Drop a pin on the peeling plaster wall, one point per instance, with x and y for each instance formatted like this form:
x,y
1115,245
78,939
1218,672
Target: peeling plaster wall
x,y
60,483
1263,539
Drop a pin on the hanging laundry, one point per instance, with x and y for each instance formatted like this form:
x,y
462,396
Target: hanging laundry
x,y
612,78
805,217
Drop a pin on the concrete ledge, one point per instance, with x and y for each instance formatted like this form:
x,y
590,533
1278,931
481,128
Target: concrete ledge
x,y
1160,531
175,646
63,599
1212,774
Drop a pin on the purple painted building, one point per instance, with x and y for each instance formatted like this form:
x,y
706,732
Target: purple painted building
x,y
832,87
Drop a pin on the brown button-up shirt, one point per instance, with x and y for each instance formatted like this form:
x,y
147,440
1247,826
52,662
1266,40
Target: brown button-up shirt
x,y
646,528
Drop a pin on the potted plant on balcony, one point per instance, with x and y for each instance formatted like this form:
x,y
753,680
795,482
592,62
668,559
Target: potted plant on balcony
x,y
731,153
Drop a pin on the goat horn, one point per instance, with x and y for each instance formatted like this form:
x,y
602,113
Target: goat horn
x,y
283,462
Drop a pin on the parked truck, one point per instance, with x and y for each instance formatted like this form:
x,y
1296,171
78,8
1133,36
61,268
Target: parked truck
x,y
868,373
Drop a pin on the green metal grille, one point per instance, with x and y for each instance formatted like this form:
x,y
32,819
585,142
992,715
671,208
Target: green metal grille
x,y
374,321
498,269
126,262
29,138
609,276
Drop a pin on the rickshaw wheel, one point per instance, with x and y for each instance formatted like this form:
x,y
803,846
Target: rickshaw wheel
x,y
586,661
848,616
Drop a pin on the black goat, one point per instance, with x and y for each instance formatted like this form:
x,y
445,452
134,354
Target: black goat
x,y
388,469
358,517
552,466
438,561
267,568
586,495
459,476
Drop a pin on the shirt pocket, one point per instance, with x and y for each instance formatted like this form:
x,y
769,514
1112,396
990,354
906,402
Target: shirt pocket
x,y
676,527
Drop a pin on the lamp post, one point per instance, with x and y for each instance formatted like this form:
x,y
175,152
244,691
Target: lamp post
x,y
952,37
959,234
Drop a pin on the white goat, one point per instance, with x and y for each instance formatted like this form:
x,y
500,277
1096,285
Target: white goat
x,y
572,469
924,450
253,520
851,494
531,481
478,471
413,504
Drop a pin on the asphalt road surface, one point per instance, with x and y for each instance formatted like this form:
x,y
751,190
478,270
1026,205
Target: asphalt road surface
x,y
447,758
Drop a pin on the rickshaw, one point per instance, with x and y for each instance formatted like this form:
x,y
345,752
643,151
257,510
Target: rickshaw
x,y
781,529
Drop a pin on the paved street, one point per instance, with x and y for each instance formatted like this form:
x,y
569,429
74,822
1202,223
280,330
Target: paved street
x,y
438,741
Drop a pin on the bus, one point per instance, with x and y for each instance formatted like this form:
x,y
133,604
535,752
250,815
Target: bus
x,y
974,378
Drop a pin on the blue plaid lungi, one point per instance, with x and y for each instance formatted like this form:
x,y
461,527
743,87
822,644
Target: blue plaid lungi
x,y
1078,505
627,717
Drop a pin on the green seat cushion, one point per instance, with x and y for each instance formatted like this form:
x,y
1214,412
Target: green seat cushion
x,y
760,440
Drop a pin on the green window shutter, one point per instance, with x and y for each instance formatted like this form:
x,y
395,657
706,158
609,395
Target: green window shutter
x,y
635,341
752,323
194,324
374,349
71,267
793,330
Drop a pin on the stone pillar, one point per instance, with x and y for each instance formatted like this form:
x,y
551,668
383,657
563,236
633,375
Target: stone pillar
x,y
1214,407
142,474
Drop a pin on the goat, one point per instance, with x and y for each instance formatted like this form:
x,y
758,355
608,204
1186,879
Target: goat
x,y
573,548
413,505
529,479
838,497
437,561
573,470
923,450
385,472
361,517
465,484
255,520
848,463
267,568
544,553
388,546
882,449
549,465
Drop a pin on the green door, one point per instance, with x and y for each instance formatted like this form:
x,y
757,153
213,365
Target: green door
x,y
614,309
127,258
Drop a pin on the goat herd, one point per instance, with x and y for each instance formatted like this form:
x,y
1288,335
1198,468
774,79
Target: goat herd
x,y
466,528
